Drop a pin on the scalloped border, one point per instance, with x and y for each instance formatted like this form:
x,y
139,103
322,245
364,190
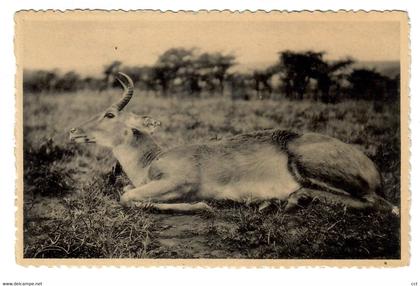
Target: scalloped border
x,y
304,15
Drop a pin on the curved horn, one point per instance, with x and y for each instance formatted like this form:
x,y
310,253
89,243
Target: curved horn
x,y
128,92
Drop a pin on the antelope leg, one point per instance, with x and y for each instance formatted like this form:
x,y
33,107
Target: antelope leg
x,y
176,207
294,199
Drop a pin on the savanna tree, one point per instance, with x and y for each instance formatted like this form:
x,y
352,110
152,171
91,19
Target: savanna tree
x,y
240,85
39,80
328,76
174,68
212,69
262,80
70,81
371,85
143,76
186,69
298,68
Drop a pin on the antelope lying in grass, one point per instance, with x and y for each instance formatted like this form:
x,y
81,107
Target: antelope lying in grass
x,y
263,165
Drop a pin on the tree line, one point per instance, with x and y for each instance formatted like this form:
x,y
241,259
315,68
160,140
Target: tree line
x,y
189,72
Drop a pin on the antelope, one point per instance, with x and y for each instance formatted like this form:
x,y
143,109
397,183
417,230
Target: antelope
x,y
262,165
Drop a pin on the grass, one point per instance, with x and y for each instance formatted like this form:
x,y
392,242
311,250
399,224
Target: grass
x,y
318,231
71,193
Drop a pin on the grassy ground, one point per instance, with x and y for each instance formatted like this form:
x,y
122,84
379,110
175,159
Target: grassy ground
x,y
71,194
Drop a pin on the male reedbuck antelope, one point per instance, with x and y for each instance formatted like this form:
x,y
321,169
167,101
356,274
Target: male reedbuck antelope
x,y
264,165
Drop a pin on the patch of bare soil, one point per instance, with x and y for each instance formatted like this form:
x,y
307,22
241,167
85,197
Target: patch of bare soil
x,y
187,236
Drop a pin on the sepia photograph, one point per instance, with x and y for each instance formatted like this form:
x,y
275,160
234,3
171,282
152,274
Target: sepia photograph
x,y
212,138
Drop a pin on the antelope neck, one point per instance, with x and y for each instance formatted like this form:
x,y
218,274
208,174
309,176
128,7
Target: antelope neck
x,y
135,158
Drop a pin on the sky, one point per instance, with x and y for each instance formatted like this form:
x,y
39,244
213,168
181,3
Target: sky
x,y
86,44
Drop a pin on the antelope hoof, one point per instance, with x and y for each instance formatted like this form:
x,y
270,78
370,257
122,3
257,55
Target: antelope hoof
x,y
292,204
203,207
126,201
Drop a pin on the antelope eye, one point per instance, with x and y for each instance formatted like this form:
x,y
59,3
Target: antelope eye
x,y
109,115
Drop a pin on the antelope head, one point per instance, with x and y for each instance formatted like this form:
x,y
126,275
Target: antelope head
x,y
113,126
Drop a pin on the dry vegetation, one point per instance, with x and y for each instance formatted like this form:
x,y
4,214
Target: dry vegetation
x,y
71,193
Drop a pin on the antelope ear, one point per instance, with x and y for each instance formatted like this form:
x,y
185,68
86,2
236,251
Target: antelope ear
x,y
150,123
143,122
